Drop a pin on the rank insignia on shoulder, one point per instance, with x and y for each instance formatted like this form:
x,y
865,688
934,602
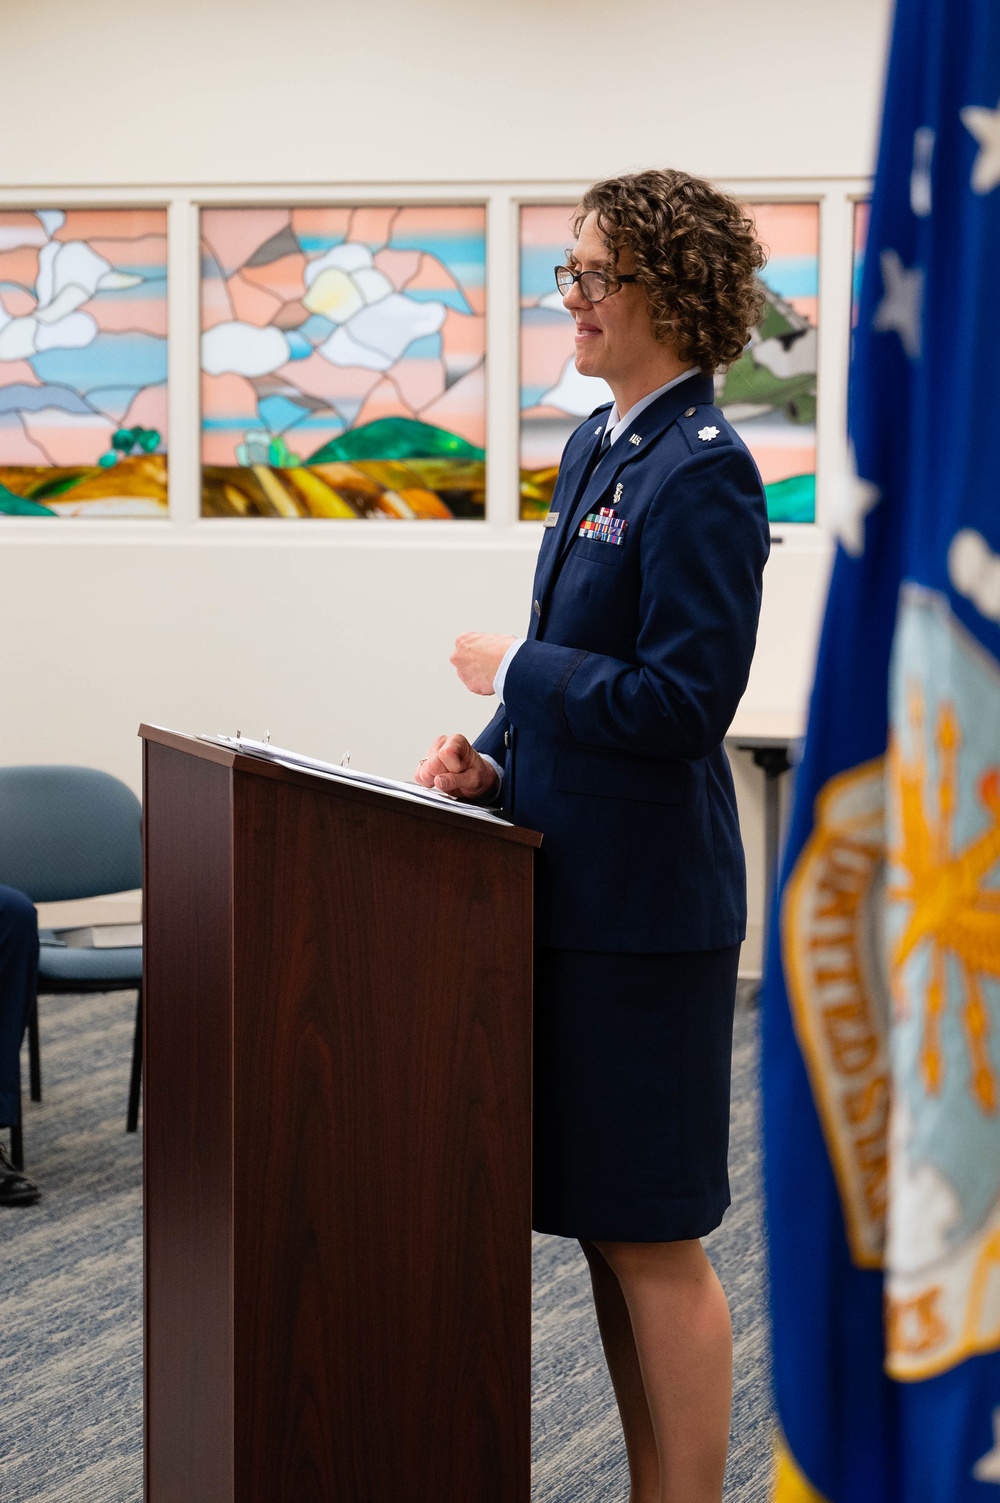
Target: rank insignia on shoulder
x,y
550,519
706,433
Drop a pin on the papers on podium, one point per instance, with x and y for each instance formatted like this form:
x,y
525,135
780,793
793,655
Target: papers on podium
x,y
340,774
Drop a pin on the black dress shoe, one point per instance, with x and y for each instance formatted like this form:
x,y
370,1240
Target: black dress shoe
x,y
16,1189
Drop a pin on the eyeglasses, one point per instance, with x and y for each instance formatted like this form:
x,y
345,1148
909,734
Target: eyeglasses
x,y
595,285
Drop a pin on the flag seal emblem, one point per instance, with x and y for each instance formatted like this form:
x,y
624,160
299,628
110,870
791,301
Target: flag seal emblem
x,y
912,1021
838,993
943,938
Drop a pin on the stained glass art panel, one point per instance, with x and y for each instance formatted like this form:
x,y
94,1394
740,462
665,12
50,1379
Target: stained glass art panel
x,y
769,394
862,214
83,363
554,396
343,362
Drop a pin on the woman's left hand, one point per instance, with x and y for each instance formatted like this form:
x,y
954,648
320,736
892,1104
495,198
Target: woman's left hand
x,y
477,657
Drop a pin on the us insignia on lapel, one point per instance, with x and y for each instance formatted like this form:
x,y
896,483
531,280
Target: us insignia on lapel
x,y
636,438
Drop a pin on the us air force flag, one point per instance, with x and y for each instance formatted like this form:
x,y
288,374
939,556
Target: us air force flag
x,y
882,1004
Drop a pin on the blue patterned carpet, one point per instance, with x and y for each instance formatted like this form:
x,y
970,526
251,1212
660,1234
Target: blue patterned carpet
x,y
578,1454
71,1298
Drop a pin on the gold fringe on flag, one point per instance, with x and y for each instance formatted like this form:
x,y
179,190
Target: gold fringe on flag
x,y
791,1485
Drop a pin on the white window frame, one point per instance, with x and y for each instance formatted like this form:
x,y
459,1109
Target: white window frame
x,y
502,526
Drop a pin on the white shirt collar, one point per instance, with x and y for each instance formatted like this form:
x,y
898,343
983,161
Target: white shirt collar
x,y
618,425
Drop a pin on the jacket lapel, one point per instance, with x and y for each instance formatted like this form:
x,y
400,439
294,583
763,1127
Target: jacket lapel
x,y
635,441
571,485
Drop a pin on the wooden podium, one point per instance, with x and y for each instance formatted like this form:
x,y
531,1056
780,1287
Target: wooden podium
x,y
337,1140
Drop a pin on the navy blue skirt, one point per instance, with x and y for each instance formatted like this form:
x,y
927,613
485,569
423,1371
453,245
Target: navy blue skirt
x,y
632,1067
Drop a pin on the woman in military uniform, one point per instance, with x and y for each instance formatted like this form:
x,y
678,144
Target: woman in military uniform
x,y
608,739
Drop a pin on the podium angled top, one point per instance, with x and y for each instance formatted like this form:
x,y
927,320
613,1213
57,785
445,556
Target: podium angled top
x,y
366,793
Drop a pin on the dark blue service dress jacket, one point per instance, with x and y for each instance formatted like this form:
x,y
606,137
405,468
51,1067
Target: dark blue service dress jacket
x,y
638,650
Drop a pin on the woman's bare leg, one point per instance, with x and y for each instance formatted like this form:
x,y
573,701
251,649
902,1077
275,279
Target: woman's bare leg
x,y
684,1345
615,1326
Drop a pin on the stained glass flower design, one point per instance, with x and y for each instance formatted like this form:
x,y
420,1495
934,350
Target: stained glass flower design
x,y
769,394
343,356
83,362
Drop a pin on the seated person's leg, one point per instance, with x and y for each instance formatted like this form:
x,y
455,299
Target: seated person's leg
x,y
18,985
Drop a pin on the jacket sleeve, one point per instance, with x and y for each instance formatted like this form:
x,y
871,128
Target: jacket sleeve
x,y
490,741
703,546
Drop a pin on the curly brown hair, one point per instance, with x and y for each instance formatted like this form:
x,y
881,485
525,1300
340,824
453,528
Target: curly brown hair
x,y
696,254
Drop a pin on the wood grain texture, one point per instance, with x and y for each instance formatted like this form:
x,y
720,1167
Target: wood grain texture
x,y
188,1129
382,1129
338,1037
368,796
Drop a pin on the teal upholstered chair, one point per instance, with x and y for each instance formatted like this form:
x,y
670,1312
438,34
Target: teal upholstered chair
x,y
73,832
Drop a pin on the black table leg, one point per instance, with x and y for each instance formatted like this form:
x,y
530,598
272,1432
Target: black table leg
x,y
774,762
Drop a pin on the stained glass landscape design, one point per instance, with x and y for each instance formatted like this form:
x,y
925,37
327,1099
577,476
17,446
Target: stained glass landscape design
x,y
862,214
769,394
343,361
83,363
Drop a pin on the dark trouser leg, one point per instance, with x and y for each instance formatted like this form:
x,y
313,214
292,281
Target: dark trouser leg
x,y
18,986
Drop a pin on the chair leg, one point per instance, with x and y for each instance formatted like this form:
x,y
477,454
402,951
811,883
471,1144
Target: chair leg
x,y
34,1054
17,1138
132,1120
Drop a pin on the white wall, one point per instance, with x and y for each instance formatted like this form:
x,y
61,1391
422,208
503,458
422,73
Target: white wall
x,y
248,91
338,639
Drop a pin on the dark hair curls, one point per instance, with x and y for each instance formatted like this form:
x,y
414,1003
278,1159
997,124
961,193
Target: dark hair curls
x,y
696,254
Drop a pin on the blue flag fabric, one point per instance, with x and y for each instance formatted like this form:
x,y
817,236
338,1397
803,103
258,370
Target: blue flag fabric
x,y
881,1030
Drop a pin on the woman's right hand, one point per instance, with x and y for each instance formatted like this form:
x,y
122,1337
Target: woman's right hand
x,y
452,765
